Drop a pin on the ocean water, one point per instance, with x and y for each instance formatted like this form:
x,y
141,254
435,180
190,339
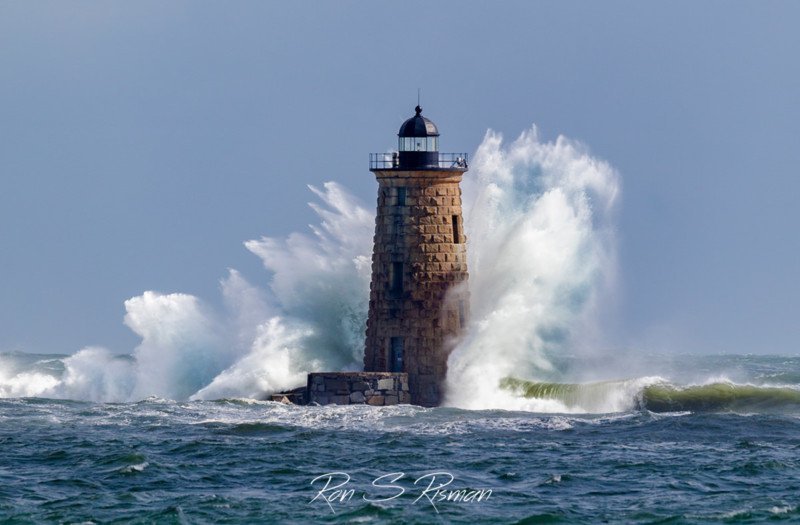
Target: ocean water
x,y
540,423
733,459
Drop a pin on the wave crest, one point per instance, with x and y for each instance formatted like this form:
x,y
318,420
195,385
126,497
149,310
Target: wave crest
x,y
657,395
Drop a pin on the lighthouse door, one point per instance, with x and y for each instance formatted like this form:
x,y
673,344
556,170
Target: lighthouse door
x,y
396,357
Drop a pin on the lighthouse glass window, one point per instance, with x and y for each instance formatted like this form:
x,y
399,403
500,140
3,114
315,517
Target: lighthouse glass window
x,y
418,144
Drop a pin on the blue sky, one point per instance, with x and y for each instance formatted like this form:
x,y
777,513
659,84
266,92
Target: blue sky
x,y
142,142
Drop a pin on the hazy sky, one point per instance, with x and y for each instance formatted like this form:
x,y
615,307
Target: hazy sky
x,y
142,142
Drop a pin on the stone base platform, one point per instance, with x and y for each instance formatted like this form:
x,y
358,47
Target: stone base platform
x,y
355,388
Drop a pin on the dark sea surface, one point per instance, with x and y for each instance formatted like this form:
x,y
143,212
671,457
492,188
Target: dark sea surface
x,y
238,461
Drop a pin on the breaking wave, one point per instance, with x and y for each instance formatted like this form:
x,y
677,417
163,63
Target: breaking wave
x,y
656,395
540,239
311,316
541,254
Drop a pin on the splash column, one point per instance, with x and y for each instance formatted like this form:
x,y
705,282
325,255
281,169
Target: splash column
x,y
418,293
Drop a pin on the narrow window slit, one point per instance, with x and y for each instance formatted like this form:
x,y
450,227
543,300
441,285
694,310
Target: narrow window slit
x,y
456,231
396,278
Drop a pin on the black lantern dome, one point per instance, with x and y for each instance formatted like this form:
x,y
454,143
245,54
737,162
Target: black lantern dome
x,y
418,142
418,126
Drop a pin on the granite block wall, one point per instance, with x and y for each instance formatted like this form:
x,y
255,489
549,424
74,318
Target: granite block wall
x,y
419,299
348,388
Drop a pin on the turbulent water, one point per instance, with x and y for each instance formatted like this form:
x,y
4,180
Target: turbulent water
x,y
245,461
541,424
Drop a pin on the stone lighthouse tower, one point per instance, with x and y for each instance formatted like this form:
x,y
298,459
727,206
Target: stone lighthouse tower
x,y
418,300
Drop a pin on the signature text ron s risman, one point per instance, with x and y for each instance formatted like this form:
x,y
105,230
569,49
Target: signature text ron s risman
x,y
431,488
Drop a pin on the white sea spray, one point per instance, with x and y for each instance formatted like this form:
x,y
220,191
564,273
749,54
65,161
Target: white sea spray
x,y
541,251
539,221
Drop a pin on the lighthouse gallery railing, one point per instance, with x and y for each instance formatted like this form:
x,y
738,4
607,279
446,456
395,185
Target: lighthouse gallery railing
x,y
389,161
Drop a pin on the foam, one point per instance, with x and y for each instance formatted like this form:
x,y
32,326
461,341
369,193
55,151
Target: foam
x,y
541,247
541,251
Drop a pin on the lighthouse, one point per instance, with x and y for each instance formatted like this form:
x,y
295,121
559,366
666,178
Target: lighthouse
x,y
418,301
